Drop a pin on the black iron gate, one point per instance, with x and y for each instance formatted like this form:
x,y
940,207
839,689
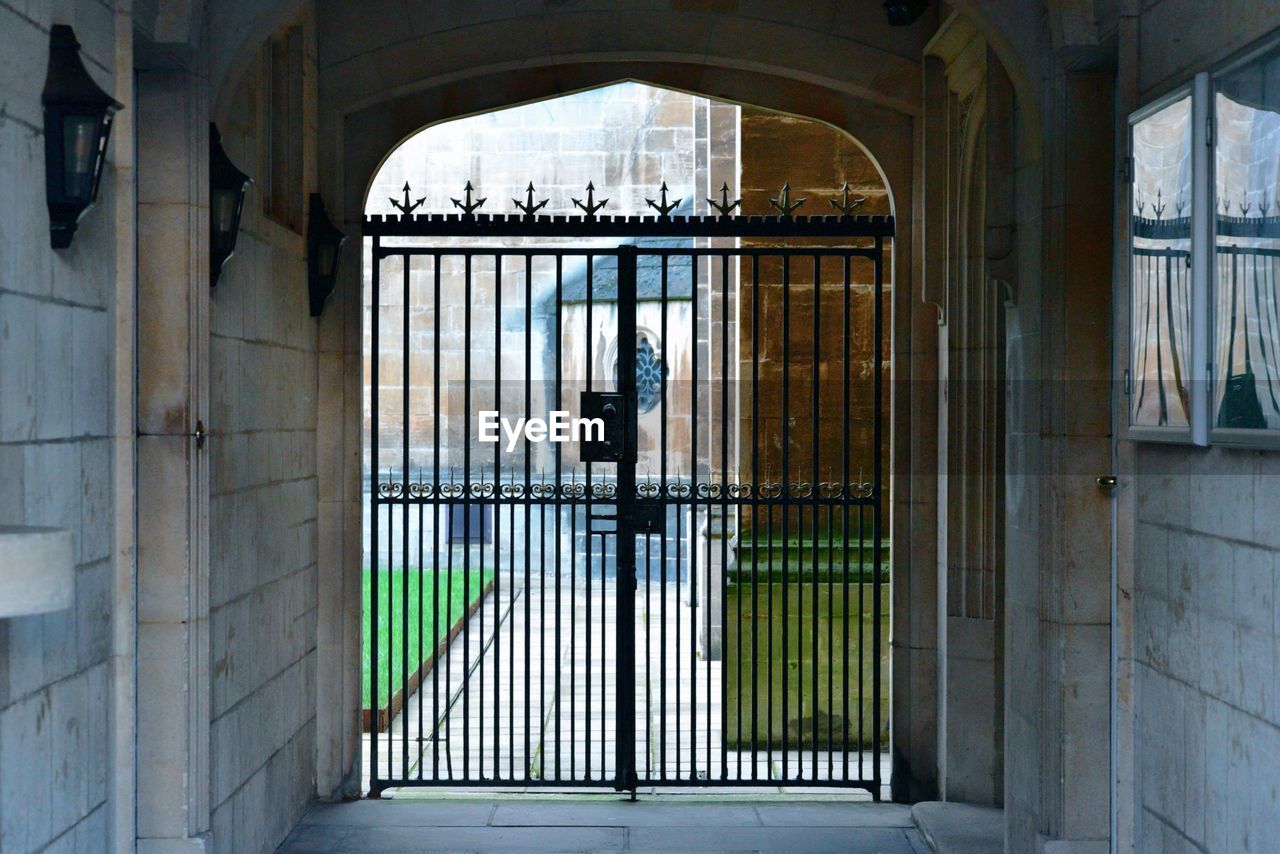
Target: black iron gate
x,y
678,577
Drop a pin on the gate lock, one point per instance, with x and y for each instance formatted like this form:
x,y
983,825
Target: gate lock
x,y
610,409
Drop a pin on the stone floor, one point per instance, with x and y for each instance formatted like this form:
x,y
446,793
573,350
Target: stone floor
x,y
608,823
522,702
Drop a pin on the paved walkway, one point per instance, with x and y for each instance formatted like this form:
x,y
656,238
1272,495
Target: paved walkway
x,y
521,702
607,823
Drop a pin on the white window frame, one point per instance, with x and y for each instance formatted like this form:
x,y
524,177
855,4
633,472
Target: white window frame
x,y
1236,437
1197,430
1201,429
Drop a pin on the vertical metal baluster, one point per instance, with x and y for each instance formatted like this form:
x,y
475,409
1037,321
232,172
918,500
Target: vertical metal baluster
x,y
625,540
679,652
844,519
590,339
724,540
558,504
391,627
573,628
435,531
422,577
755,518
509,616
497,537
648,657
528,473
466,523
786,502
694,551
666,497
404,467
813,504
877,473
375,789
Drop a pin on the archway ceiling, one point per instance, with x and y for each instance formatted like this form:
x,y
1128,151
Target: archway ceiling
x,y
370,52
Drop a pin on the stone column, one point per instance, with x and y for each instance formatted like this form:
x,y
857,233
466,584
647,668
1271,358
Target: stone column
x,y
717,541
173,699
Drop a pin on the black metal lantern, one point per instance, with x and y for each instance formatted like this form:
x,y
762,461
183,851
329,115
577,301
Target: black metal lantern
x,y
227,186
903,13
77,123
324,247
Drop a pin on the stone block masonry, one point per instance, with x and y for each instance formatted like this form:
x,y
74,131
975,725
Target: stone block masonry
x,y
263,511
56,360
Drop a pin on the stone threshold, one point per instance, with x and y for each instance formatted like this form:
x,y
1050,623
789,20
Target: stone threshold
x,y
954,828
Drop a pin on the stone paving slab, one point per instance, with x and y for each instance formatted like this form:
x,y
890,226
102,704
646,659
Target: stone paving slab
x,y
605,823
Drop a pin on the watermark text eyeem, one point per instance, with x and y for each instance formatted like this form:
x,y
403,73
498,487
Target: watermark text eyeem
x,y
559,427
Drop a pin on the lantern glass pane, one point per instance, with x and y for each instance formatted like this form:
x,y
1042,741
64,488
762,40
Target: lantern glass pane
x,y
79,150
222,214
1246,297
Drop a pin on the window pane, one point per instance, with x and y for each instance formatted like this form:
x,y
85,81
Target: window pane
x,y
1160,257
1246,390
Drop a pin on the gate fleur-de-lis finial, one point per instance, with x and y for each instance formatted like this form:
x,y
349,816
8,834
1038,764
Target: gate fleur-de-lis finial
x,y
724,206
784,204
468,207
1159,206
592,205
846,205
664,209
530,208
407,206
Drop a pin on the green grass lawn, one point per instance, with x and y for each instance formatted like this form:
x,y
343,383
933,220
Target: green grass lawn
x,y
391,620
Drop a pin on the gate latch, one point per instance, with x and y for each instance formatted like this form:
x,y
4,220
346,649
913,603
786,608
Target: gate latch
x,y
607,408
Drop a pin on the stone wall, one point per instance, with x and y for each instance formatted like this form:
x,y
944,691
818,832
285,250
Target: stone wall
x,y
57,346
627,139
262,511
816,160
1206,558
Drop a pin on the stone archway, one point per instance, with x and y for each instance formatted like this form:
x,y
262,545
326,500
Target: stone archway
x,y
439,74
370,132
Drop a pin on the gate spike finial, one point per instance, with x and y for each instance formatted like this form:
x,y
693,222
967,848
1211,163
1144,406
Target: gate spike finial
x,y
846,206
530,208
724,206
664,209
407,206
468,207
592,205
784,204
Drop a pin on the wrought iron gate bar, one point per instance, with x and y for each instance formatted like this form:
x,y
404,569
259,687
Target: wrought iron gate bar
x,y
517,225
596,684
867,252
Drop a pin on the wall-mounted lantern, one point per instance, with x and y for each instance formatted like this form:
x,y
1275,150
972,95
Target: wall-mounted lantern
x,y
227,186
77,123
903,13
324,246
